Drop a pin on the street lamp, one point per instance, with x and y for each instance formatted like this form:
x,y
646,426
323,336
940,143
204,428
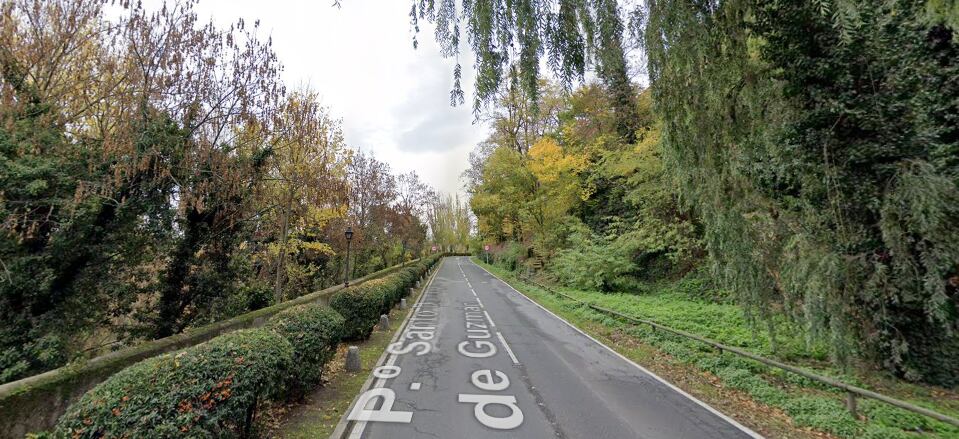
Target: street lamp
x,y
349,236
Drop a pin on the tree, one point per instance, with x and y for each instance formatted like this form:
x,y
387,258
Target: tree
x,y
806,137
558,191
510,40
450,222
502,197
305,180
114,129
412,196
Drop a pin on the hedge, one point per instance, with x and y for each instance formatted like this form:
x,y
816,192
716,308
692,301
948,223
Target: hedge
x,y
314,330
362,305
212,389
208,390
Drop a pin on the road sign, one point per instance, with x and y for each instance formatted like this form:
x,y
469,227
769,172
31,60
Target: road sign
x,y
434,248
486,247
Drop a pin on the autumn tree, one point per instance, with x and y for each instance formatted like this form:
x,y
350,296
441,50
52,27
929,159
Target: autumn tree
x,y
371,191
412,196
449,220
131,115
306,179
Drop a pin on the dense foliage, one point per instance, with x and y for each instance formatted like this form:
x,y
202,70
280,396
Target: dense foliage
x,y
314,331
805,151
213,389
362,305
601,212
156,175
823,162
210,390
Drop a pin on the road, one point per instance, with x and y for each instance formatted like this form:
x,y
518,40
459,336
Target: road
x,y
477,359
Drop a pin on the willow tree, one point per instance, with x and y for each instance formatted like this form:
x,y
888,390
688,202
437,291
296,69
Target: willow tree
x,y
817,141
511,38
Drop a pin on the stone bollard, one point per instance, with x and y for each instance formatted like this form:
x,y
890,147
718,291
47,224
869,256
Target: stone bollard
x,y
417,284
353,359
412,292
402,303
384,322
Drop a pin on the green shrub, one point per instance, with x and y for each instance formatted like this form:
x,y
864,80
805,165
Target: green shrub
x,y
209,390
889,416
822,414
314,330
882,432
509,257
259,296
360,306
594,263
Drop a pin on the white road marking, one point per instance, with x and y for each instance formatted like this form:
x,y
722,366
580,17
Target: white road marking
x,y
489,318
480,302
360,425
414,386
732,421
509,351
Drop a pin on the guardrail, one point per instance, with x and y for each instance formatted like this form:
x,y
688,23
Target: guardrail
x,y
36,402
852,392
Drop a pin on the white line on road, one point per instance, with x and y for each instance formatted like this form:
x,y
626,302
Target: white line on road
x,y
480,302
489,318
732,421
360,426
509,351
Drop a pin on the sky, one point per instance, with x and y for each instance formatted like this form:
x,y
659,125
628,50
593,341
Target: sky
x,y
393,99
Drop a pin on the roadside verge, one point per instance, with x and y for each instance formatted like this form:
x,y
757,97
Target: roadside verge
x,y
771,402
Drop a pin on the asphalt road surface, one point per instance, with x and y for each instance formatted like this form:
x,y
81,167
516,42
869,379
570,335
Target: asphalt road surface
x,y
477,359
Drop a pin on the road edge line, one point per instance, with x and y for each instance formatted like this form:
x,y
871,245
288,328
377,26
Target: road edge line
x,y
341,429
509,351
672,386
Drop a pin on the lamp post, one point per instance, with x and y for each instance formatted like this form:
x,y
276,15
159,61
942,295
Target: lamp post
x,y
346,275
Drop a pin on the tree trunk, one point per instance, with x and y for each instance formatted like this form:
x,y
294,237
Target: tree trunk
x,y
281,257
171,300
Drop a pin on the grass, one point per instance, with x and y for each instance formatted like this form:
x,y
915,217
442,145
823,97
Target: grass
x,y
808,406
318,415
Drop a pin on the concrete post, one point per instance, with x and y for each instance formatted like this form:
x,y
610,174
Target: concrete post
x,y
353,359
384,322
402,303
851,404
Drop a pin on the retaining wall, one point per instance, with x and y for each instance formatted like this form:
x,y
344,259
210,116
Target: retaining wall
x,y
35,403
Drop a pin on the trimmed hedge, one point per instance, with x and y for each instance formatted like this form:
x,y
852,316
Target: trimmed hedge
x,y
209,390
360,306
363,304
212,389
314,330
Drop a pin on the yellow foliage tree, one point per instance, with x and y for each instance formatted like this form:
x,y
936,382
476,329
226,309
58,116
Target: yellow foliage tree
x,y
559,188
306,180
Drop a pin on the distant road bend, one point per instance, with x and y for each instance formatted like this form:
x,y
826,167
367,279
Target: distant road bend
x,y
478,359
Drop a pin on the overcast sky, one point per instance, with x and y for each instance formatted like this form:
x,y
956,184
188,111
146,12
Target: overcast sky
x,y
393,99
